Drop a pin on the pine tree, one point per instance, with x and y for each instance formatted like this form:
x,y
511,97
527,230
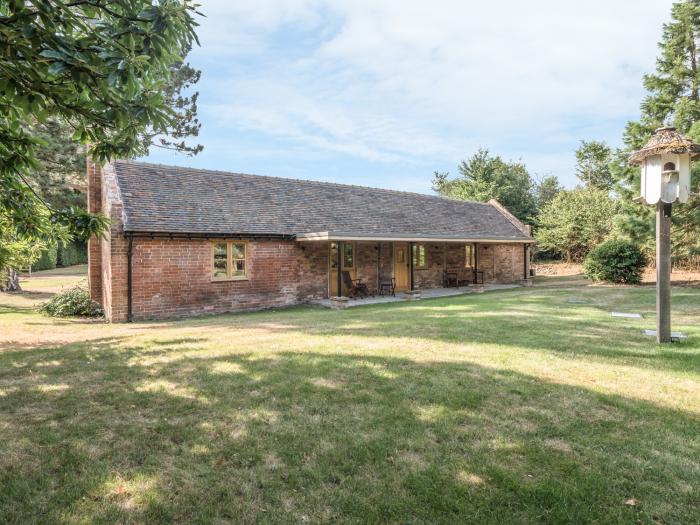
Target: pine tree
x,y
673,97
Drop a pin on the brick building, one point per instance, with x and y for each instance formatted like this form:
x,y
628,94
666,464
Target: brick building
x,y
187,242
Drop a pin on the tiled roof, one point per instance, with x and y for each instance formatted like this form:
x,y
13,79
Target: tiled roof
x,y
171,199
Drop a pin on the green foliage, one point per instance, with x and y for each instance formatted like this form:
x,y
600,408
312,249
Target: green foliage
x,y
593,165
483,177
672,97
47,259
574,222
71,254
616,261
74,302
104,69
546,189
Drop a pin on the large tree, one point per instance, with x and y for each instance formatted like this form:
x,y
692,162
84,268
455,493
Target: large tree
x,y
101,67
575,222
593,165
546,188
483,177
672,98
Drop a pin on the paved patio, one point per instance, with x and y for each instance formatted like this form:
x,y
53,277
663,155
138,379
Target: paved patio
x,y
431,293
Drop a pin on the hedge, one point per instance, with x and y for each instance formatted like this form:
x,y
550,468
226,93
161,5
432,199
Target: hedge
x,y
47,260
71,254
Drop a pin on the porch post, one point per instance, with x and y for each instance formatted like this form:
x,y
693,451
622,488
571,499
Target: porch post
x,y
338,263
410,262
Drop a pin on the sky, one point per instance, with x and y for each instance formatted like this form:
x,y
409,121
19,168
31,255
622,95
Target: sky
x,y
385,92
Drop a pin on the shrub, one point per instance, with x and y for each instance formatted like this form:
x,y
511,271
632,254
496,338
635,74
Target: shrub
x,y
47,259
72,302
616,261
72,253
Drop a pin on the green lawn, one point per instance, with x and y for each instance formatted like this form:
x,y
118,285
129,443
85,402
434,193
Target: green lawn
x,y
505,407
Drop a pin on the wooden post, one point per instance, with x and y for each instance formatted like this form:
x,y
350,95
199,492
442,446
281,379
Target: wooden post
x,y
410,263
663,272
339,258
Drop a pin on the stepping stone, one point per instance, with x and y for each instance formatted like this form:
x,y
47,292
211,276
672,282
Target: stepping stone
x,y
626,314
676,336
577,301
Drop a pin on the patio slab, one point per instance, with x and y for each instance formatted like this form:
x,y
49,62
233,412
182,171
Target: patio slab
x,y
431,293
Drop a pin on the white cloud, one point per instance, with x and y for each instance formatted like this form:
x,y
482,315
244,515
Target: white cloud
x,y
396,81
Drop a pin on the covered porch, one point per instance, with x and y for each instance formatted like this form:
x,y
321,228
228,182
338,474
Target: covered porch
x,y
382,269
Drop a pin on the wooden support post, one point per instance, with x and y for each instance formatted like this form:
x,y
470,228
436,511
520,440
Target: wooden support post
x,y
410,263
339,246
663,272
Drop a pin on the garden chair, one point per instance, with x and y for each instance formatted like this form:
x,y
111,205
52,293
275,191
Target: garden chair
x,y
355,287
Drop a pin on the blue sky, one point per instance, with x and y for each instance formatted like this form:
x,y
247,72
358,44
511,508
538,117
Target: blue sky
x,y
382,93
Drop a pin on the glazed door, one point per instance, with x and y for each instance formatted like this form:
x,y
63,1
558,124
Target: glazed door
x,y
401,267
347,264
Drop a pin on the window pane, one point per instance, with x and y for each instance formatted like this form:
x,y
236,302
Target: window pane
x,y
419,256
468,256
334,255
220,258
238,250
348,256
238,268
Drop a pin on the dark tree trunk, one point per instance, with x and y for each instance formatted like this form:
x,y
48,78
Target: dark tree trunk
x,y
11,283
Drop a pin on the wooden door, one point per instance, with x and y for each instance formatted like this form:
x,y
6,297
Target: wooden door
x,y
401,266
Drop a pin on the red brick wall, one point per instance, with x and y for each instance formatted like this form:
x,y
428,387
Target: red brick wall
x,y
501,263
172,278
94,202
367,264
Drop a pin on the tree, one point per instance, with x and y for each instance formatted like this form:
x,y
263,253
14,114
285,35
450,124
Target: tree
x,y
672,98
593,165
101,67
575,222
483,177
546,189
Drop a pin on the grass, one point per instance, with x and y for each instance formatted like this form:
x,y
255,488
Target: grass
x,y
511,406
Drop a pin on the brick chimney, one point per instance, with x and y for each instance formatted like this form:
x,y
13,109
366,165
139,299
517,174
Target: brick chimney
x,y
94,202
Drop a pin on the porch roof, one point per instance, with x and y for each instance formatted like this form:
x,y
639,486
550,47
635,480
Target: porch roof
x,y
178,200
415,237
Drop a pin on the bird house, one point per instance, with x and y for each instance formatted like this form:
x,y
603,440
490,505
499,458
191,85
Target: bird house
x,y
665,164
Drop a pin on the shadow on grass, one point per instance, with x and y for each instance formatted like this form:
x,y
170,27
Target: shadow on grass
x,y
541,320
94,432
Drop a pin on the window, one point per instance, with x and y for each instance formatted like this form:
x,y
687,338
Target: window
x,y
468,256
348,255
669,166
334,256
228,260
419,261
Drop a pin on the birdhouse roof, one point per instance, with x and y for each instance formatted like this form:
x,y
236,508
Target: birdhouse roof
x,y
665,140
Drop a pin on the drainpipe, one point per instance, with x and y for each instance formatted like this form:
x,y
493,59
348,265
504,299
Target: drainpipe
x,y
129,253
